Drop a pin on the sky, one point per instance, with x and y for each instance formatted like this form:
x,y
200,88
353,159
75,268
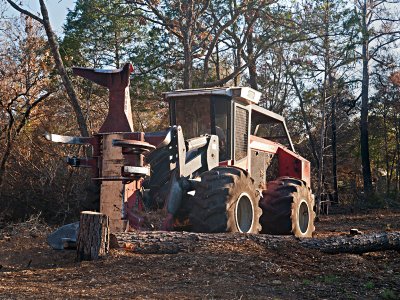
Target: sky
x,y
58,10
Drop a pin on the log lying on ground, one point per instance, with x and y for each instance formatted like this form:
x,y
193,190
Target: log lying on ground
x,y
356,244
160,242
93,237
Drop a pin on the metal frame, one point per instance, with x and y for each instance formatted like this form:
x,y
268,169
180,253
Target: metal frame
x,y
274,116
246,158
244,94
228,103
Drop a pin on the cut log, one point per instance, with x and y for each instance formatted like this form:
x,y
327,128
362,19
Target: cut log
x,y
94,236
357,244
161,242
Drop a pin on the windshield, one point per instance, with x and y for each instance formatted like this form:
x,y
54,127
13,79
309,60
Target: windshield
x,y
270,128
274,132
193,114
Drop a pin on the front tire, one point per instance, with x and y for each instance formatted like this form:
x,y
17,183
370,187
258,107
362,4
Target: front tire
x,y
225,200
287,206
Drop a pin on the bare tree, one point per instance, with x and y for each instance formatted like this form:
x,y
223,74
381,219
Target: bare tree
x,y
200,26
24,81
378,29
53,43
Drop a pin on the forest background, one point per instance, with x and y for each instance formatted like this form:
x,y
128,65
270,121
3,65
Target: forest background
x,y
330,67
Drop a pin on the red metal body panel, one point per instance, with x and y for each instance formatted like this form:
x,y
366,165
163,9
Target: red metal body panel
x,y
290,163
155,138
226,163
133,205
293,165
119,117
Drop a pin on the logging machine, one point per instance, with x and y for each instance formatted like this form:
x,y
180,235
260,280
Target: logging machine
x,y
224,164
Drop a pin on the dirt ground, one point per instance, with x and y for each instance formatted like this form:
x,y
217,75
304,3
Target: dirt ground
x,y
30,269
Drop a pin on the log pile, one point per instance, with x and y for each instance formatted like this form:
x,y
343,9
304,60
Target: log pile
x,y
159,242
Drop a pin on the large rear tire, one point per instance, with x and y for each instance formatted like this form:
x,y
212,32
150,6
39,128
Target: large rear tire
x,y
160,174
225,200
287,207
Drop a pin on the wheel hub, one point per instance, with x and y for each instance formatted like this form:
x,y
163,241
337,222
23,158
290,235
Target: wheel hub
x,y
303,216
244,213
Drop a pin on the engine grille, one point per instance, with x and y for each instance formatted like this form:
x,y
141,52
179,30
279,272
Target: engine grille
x,y
241,132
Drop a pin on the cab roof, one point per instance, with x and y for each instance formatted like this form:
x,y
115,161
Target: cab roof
x,y
246,94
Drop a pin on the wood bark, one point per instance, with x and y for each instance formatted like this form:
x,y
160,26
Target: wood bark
x,y
161,242
187,47
334,143
326,94
251,60
397,153
357,244
94,236
364,143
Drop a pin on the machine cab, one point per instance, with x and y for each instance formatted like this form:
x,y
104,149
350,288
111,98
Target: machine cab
x,y
230,113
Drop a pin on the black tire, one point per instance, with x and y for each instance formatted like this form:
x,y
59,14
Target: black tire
x,y
92,199
287,207
160,174
181,218
159,160
225,200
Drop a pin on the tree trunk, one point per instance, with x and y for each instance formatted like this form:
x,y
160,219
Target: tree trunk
x,y
61,70
161,242
188,65
6,152
94,236
116,50
217,64
305,119
365,162
321,177
387,158
397,126
251,61
187,47
334,143
326,94
236,64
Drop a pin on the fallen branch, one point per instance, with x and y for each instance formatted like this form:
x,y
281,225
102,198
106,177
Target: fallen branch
x,y
160,242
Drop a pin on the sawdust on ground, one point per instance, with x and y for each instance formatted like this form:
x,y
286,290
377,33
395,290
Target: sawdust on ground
x,y
29,269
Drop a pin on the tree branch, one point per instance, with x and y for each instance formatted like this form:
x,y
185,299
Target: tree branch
x,y
24,11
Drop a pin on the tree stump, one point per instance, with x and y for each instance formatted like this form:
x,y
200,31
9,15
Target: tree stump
x,y
93,237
